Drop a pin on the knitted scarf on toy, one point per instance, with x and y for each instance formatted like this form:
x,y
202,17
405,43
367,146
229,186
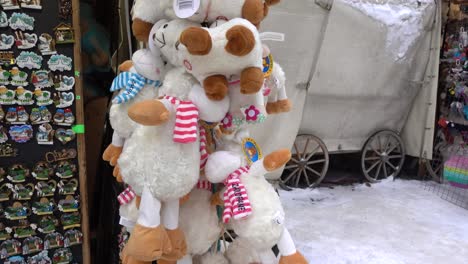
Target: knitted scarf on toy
x,y
186,123
133,83
236,200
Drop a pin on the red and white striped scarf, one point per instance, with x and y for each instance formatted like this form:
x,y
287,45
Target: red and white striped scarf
x,y
204,185
186,123
236,200
203,149
126,196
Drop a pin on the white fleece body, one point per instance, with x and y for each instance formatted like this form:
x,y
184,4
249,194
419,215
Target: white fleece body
x,y
241,252
210,10
276,82
199,221
218,60
211,258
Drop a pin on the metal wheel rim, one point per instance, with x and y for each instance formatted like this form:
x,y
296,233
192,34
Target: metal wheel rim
x,y
383,156
435,166
308,165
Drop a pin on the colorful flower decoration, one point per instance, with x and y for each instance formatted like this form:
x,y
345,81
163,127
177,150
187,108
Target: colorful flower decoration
x,y
227,121
251,113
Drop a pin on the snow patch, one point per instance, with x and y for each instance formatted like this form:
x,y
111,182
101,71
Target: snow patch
x,y
404,20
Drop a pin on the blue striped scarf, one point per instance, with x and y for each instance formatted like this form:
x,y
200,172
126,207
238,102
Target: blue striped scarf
x,y
133,83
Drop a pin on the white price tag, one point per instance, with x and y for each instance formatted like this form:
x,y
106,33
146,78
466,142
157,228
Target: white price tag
x,y
186,8
274,36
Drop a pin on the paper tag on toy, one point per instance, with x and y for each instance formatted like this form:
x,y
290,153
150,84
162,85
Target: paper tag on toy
x,y
251,150
186,8
273,36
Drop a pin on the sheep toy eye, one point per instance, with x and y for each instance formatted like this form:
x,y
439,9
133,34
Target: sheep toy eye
x,y
165,25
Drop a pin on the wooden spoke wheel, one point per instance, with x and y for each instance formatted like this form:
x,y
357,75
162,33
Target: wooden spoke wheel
x,y
383,156
435,167
308,165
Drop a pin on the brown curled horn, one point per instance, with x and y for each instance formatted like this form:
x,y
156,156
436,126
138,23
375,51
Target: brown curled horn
x,y
197,40
241,41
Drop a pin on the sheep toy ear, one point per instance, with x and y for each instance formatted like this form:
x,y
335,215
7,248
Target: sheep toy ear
x,y
241,41
220,164
197,40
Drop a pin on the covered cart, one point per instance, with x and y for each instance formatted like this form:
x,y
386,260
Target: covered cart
x,y
362,75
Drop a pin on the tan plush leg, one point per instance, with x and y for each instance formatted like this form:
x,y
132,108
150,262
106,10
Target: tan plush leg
x,y
112,154
272,108
179,246
117,175
251,80
216,87
162,261
148,244
276,159
125,66
126,259
149,113
296,258
253,11
141,29
284,105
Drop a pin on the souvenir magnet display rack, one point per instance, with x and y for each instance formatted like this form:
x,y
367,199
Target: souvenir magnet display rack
x,y
449,165
43,205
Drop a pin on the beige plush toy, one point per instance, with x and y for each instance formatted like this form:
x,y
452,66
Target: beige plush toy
x,y
148,12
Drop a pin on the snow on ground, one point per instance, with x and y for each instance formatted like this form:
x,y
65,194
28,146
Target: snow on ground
x,y
392,222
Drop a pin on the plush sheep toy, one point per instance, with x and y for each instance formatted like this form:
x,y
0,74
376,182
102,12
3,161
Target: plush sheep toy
x,y
161,162
139,80
148,12
252,206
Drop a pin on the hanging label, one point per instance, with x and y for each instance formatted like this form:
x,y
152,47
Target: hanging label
x,y
273,36
186,8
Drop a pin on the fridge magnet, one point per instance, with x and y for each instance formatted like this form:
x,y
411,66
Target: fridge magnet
x,y
25,40
31,4
32,245
47,224
8,151
17,211
3,19
5,232
64,117
23,96
15,260
42,97
64,154
7,58
22,192
69,204
64,34
6,41
10,248
65,9
21,134
53,240
40,115
24,229
63,83
46,44
10,4
59,62
3,136
29,59
62,256
46,189
41,79
2,113
73,237
70,220
45,134
4,77
5,193
43,207
13,115
21,21
7,96
65,135
18,77
2,177
65,169
42,171
64,99
17,173
41,258
67,187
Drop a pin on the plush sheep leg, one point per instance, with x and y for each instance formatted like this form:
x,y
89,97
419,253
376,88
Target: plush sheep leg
x,y
170,219
141,29
216,87
113,151
149,239
251,80
253,11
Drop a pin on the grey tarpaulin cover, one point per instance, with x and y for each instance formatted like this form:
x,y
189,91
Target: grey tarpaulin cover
x,y
360,67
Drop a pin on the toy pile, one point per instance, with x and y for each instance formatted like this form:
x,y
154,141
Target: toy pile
x,y
181,142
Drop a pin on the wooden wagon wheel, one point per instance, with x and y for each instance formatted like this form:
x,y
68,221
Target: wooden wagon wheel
x,y
308,165
383,156
435,167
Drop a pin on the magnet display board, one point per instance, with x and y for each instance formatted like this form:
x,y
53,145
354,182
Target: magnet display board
x,y
43,213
